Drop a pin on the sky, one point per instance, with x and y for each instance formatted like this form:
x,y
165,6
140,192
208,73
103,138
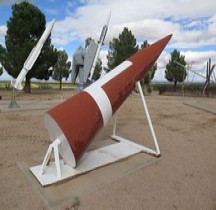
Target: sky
x,y
192,23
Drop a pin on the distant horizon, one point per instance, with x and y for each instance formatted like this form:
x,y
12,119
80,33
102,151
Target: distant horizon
x,y
197,81
152,82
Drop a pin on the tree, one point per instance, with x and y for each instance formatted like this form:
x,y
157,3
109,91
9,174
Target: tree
x,y
175,72
121,48
62,67
2,52
1,70
24,29
150,74
98,69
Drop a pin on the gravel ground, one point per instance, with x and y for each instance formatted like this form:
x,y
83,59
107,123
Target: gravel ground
x,y
184,178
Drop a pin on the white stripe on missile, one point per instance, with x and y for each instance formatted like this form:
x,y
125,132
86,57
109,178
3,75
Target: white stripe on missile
x,y
99,95
103,102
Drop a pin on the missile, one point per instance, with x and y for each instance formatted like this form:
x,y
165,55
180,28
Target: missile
x,y
76,121
32,57
104,30
100,43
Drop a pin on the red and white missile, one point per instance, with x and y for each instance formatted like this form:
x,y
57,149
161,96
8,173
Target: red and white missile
x,y
76,121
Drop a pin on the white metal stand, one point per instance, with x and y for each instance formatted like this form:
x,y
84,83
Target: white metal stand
x,y
50,172
145,149
52,148
13,103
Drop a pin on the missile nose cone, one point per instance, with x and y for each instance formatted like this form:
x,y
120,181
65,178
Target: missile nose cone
x,y
167,38
150,53
108,18
51,24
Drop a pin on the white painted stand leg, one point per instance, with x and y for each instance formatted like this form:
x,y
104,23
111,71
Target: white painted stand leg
x,y
147,150
52,148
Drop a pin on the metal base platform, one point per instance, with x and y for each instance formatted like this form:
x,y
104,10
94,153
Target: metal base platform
x,y
90,161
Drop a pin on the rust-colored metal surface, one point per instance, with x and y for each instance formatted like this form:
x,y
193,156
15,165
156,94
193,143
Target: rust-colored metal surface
x,y
82,116
79,118
121,86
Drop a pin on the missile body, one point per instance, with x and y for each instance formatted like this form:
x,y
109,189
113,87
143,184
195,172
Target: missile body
x,y
100,43
32,57
76,121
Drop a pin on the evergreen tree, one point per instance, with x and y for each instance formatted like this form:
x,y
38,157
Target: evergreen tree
x,y
2,53
1,70
174,72
121,48
24,29
62,68
98,69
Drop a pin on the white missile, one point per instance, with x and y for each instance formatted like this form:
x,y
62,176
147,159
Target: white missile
x,y
32,57
100,43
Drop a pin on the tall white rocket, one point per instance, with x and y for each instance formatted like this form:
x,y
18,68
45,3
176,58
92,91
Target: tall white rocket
x,y
100,43
32,57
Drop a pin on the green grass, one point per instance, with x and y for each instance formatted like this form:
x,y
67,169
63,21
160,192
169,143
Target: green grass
x,y
51,85
5,85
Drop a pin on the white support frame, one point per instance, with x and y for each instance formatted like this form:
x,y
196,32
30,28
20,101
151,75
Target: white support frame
x,y
155,152
52,148
51,172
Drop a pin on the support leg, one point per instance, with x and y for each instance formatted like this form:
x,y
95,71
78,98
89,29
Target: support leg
x,y
52,148
145,149
114,126
57,160
148,118
46,159
13,103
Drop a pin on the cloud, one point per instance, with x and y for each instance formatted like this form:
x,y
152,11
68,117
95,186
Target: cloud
x,y
196,24
63,39
199,58
103,57
145,20
147,29
3,30
191,28
196,61
192,23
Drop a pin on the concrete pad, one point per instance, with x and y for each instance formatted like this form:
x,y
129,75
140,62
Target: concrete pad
x,y
90,160
28,105
62,194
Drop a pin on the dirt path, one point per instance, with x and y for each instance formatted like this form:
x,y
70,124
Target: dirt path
x,y
184,178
